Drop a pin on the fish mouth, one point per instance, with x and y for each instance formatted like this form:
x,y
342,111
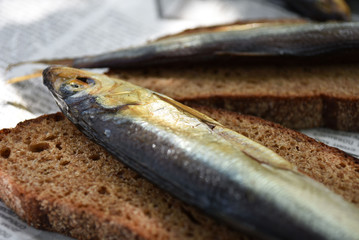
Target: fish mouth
x,y
48,77
50,80
54,76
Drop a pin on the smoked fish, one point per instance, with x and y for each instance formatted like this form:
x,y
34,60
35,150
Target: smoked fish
x,y
262,39
321,9
185,152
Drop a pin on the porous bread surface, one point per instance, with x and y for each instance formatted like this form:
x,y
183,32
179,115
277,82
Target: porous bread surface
x,y
296,96
57,179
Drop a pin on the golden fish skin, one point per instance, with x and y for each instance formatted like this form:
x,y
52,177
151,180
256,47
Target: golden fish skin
x,y
322,9
228,176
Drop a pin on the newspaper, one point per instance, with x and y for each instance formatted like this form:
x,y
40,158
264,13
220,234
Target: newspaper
x,y
31,30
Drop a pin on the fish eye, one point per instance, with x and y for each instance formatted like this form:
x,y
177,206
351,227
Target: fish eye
x,y
80,83
75,85
86,80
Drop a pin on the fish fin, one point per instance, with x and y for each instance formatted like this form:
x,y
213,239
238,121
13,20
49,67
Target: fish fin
x,y
19,106
204,118
238,25
255,150
249,147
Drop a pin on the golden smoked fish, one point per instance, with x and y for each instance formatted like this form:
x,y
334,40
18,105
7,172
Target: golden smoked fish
x,y
227,175
262,39
321,9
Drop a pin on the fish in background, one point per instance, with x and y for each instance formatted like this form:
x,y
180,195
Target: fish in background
x,y
321,10
277,38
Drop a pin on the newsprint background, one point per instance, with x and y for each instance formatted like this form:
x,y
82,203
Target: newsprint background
x,y
38,29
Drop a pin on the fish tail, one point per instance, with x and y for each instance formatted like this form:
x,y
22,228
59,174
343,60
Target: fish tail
x,y
64,62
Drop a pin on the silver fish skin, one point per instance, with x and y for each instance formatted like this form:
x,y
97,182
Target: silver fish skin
x,y
228,176
263,40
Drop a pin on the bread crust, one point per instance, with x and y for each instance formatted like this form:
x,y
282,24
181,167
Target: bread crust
x,y
298,96
305,111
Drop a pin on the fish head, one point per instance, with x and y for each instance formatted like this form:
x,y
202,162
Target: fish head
x,y
78,92
71,89
64,82
69,84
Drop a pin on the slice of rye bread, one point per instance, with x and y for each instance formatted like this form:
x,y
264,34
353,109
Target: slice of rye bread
x,y
57,179
296,95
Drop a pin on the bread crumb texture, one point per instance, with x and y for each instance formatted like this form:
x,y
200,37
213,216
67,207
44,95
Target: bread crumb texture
x,y
56,179
296,96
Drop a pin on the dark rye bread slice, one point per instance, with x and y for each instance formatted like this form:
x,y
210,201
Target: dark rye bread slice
x,y
296,95
56,179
